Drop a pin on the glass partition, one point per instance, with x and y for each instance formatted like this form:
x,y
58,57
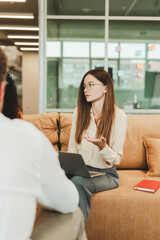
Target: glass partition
x,y
132,50
153,51
75,49
138,64
53,49
74,29
80,35
72,74
76,7
69,53
134,8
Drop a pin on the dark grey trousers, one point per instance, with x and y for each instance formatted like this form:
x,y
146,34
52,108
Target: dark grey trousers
x,y
87,186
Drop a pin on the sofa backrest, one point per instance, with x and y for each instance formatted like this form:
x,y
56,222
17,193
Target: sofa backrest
x,y
134,151
57,128
48,124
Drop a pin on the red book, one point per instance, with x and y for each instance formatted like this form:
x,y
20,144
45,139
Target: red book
x,y
147,185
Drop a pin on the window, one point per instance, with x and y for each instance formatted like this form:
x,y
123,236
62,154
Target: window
x,y
53,49
75,49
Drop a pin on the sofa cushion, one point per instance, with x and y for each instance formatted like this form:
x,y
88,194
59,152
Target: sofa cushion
x,y
47,123
125,213
152,146
134,151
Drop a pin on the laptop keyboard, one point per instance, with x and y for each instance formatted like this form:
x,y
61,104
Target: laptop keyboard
x,y
93,173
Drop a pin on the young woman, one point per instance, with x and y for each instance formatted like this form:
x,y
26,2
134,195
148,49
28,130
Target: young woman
x,y
11,108
98,133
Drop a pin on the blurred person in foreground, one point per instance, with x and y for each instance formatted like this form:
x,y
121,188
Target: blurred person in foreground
x,y
11,108
30,172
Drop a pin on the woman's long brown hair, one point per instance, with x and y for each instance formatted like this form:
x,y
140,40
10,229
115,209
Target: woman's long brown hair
x,y
83,111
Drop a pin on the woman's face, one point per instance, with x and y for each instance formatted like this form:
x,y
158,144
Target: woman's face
x,y
94,90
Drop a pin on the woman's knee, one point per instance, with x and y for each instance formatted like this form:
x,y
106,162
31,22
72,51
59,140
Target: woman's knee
x,y
116,181
78,179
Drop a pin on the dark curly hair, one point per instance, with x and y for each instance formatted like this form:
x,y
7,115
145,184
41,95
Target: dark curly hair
x,y
11,106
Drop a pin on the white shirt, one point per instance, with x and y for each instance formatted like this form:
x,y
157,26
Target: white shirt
x,y
110,154
29,172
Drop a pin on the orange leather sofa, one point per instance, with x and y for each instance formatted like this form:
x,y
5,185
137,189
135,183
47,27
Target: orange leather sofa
x,y
122,213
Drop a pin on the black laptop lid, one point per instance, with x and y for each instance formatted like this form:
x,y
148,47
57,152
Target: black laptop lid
x,y
73,164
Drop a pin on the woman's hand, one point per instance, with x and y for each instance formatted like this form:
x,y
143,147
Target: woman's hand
x,y
100,142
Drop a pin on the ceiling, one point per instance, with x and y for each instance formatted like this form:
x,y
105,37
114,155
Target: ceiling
x,y
30,6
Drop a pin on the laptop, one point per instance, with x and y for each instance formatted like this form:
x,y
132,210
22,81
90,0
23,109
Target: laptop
x,y
74,165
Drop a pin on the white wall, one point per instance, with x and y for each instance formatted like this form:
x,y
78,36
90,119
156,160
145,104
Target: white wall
x,y
30,82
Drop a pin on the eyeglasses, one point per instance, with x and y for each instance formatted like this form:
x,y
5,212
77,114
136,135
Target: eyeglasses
x,y
89,86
